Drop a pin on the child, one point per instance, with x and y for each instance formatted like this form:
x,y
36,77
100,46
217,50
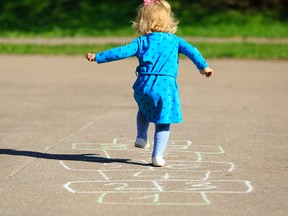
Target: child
x,y
155,90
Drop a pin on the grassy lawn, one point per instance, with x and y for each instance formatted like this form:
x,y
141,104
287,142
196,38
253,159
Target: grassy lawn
x,y
209,50
228,24
237,24
249,29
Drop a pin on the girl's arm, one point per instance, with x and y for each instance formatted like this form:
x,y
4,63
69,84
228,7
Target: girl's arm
x,y
195,56
114,54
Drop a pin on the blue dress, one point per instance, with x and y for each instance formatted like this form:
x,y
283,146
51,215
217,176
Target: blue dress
x,y
156,90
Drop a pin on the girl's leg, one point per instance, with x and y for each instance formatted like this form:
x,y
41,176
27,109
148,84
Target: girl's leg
x,y
161,136
142,129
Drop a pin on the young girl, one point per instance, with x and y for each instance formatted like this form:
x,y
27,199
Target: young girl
x,y
155,90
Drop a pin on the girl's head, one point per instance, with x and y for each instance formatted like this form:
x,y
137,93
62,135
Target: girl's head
x,y
155,16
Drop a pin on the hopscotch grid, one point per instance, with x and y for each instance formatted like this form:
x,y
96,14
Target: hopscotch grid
x,y
132,145
174,180
155,201
179,161
179,146
232,167
138,172
159,188
157,191
155,204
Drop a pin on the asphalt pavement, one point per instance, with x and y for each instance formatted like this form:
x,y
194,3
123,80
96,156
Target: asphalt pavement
x,y
67,130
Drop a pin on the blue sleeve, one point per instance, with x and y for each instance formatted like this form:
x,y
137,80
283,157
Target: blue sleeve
x,y
192,53
118,53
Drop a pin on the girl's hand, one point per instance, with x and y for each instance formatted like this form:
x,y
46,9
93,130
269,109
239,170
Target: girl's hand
x,y
90,57
207,72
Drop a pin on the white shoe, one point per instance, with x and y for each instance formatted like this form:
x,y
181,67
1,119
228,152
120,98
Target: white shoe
x,y
158,161
141,143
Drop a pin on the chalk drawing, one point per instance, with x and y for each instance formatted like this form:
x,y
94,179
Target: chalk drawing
x,y
210,186
180,182
137,174
203,166
157,199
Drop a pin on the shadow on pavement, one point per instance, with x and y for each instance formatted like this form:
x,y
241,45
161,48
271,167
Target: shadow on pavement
x,y
69,157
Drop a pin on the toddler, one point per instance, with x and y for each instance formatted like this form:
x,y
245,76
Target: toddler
x,y
155,90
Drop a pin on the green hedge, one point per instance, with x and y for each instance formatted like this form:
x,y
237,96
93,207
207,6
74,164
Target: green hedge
x,y
74,17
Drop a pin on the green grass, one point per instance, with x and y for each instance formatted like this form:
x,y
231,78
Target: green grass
x,y
244,50
275,30
52,50
209,50
79,32
237,24
228,23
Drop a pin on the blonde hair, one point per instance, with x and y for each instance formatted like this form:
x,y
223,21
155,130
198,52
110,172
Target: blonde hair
x,y
155,17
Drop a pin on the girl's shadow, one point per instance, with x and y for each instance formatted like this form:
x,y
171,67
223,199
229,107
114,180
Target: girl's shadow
x,y
69,157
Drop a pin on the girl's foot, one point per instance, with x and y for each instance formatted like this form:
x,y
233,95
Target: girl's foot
x,y
158,161
141,143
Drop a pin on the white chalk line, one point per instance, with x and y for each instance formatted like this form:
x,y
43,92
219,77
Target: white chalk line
x,y
155,202
155,196
199,154
102,173
158,188
145,190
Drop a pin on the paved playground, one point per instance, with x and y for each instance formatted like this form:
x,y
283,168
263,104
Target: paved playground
x,y
67,130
